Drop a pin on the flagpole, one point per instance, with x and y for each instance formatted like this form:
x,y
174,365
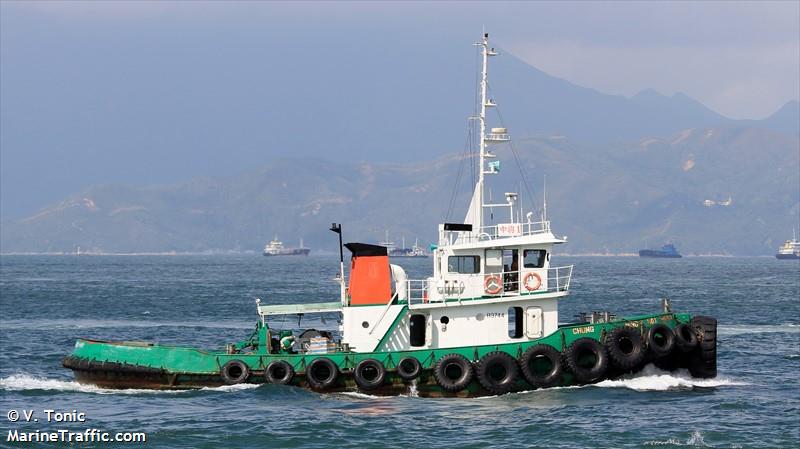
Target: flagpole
x,y
337,228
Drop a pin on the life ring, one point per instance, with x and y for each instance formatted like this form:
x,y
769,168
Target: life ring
x,y
492,284
703,362
321,373
279,372
625,347
409,368
528,278
453,372
587,359
497,372
660,340
234,372
542,366
369,374
685,337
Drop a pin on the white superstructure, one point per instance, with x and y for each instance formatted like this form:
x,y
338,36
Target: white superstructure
x,y
491,283
790,249
274,247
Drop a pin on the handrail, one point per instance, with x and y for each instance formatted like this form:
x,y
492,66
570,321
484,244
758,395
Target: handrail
x,y
383,314
495,232
418,291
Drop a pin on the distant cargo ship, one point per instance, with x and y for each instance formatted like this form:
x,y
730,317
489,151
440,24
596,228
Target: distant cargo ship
x,y
790,249
414,251
667,251
275,248
394,251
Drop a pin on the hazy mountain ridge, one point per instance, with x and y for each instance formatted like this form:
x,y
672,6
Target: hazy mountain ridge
x,y
612,197
538,104
393,105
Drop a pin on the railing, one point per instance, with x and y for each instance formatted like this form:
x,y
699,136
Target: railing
x,y
474,286
485,233
497,137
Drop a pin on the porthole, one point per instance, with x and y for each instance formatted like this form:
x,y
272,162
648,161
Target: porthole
x,y
444,320
364,324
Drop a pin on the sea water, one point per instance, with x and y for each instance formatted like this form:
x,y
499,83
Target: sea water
x,y
208,301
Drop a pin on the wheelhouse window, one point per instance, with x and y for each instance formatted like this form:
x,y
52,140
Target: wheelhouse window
x,y
534,258
464,264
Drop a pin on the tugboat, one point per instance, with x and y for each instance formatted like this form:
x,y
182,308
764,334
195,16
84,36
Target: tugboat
x,y
790,249
667,251
484,323
275,248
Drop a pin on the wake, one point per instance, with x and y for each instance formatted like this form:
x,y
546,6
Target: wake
x,y
655,379
23,382
738,329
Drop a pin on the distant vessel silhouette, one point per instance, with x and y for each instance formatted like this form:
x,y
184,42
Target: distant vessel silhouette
x,y
790,249
393,251
275,248
667,251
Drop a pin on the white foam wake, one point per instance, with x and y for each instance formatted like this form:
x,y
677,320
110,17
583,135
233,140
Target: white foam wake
x,y
695,440
359,395
738,329
22,382
654,379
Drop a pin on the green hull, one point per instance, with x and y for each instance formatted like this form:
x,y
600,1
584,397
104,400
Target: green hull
x,y
154,366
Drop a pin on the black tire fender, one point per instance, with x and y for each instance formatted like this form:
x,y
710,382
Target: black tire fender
x,y
497,372
369,374
409,368
587,359
234,372
625,347
321,373
660,340
541,366
453,372
685,337
279,372
703,360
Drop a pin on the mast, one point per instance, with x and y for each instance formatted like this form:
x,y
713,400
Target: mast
x,y
544,200
482,118
495,135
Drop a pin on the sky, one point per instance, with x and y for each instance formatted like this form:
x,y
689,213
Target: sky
x,y
160,92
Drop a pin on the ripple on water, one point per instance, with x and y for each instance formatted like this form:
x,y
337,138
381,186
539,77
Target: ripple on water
x,y
208,301
694,440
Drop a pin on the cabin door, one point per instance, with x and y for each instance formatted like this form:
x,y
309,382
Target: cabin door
x,y
511,270
419,330
533,328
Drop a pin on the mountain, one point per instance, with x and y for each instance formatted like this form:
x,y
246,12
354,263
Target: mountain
x,y
538,104
785,120
203,109
605,197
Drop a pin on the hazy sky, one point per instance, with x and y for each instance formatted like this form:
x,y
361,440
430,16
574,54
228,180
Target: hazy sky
x,y
143,92
741,59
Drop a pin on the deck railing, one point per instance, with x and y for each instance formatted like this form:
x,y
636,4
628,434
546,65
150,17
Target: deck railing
x,y
471,286
501,231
